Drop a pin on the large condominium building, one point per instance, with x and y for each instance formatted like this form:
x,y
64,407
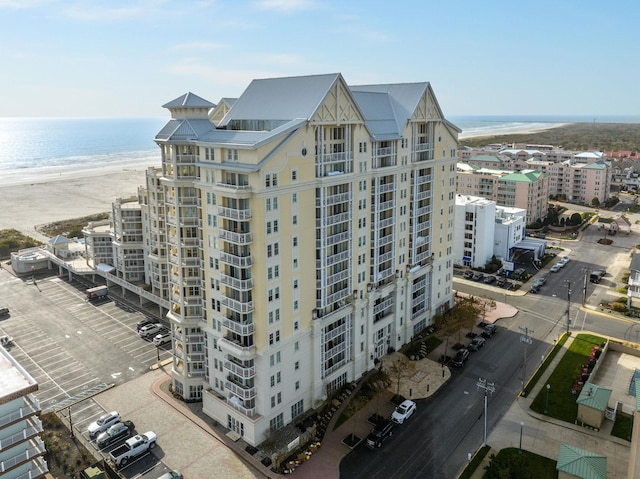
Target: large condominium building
x,y
21,449
303,231
575,176
526,189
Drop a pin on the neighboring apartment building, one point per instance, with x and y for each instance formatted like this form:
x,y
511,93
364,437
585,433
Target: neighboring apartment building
x,y
484,230
301,235
127,227
21,448
526,189
575,176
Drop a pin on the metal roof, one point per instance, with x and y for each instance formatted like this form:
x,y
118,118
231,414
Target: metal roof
x,y
594,397
380,115
581,463
189,100
281,98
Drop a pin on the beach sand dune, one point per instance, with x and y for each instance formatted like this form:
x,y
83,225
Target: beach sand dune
x,y
34,201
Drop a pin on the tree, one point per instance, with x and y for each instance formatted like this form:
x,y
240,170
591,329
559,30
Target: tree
x,y
400,368
595,202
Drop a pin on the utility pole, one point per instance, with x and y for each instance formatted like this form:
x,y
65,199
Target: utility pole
x,y
488,388
526,339
568,283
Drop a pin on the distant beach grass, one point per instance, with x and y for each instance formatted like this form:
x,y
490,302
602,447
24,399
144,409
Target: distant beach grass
x,y
575,136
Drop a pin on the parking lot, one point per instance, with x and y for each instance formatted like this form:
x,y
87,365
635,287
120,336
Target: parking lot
x,y
76,349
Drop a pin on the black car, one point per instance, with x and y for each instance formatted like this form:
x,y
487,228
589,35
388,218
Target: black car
x,y
489,330
489,279
476,343
379,433
117,431
501,281
461,357
468,274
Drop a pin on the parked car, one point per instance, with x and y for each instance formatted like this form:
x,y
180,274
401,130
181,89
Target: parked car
x,y
597,275
555,268
150,330
460,358
477,276
468,274
476,343
564,260
115,432
501,281
520,271
379,433
142,323
403,411
171,475
162,338
103,423
489,330
4,311
489,279
540,281
534,288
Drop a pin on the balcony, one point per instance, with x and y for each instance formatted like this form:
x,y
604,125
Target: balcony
x,y
31,407
333,259
234,214
247,411
237,284
30,432
38,469
245,329
385,188
236,238
422,195
243,392
235,348
424,179
233,260
37,449
244,372
333,199
335,278
238,306
419,147
333,157
332,220
186,159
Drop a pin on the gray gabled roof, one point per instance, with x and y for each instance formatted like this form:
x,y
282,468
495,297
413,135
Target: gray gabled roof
x,y
184,130
635,262
282,98
189,100
380,116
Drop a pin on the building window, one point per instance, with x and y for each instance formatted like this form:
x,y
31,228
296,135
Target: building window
x,y
294,176
232,155
296,365
297,408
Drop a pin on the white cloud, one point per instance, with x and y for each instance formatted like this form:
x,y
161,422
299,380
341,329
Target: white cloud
x,y
285,5
22,4
94,12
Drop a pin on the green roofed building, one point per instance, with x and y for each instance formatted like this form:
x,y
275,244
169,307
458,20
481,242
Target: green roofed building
x,y
576,462
526,189
592,404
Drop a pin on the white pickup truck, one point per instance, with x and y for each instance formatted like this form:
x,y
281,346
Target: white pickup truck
x,y
133,447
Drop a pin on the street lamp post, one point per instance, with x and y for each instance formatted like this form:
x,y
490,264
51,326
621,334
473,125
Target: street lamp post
x,y
568,283
521,426
546,404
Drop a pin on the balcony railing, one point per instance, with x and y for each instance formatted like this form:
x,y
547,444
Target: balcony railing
x,y
418,147
239,261
244,372
236,238
31,407
245,329
333,199
234,214
21,436
39,469
243,392
237,349
235,283
238,306
37,449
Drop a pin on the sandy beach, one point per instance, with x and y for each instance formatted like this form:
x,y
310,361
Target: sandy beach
x,y
29,199
32,197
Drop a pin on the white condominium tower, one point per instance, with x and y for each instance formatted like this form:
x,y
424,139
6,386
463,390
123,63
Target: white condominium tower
x,y
309,229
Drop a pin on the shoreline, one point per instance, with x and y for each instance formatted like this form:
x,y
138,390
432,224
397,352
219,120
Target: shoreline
x,y
511,131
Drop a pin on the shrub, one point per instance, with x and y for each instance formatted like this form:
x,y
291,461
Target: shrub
x,y
616,306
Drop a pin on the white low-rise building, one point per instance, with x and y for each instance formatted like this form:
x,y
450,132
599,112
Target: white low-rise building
x,y
484,230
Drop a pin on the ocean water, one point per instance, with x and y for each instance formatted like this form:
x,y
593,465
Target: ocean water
x,y
33,145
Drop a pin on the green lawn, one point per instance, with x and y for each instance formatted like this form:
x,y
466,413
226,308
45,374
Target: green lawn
x,y
562,403
511,462
622,427
543,367
475,462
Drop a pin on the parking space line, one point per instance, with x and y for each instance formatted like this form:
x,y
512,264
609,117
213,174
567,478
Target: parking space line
x,y
69,369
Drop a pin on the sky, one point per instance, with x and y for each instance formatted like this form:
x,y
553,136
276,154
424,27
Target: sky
x,y
112,58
